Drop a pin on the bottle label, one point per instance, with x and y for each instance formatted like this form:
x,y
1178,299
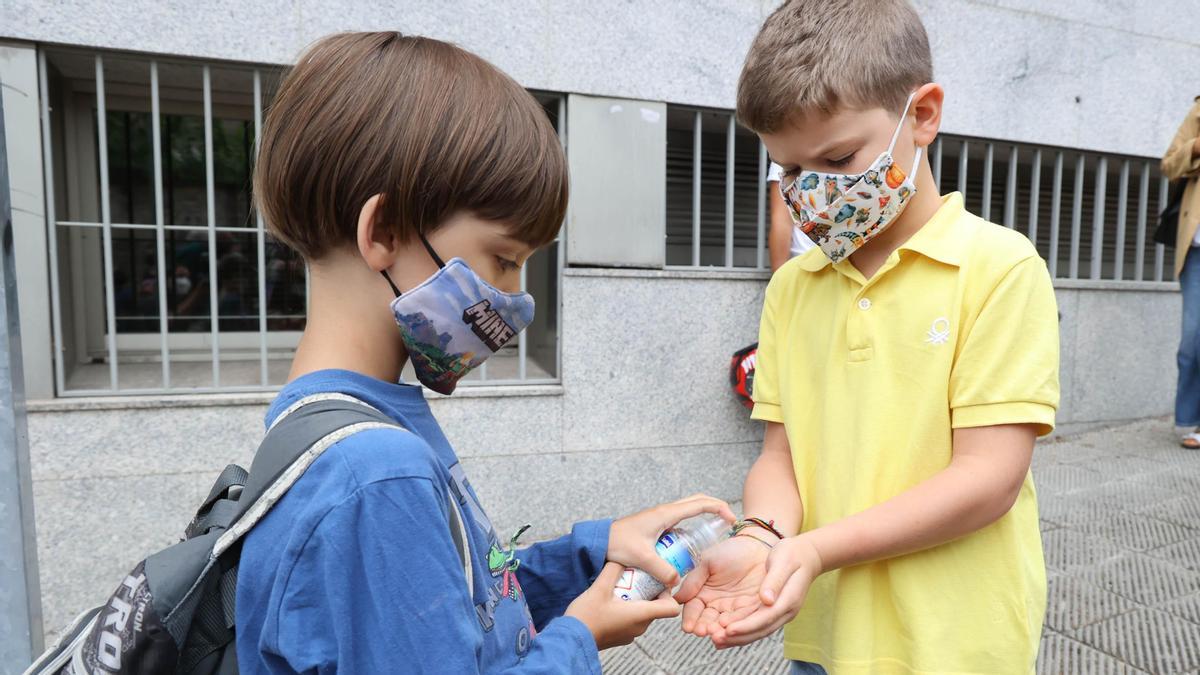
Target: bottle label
x,y
635,584
674,551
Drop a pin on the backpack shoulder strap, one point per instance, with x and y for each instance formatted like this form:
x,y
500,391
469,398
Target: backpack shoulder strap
x,y
295,440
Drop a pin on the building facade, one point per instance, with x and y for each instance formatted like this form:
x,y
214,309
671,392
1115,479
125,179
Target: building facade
x,y
157,316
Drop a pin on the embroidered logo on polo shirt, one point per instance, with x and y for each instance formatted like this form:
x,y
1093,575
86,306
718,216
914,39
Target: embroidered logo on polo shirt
x,y
939,332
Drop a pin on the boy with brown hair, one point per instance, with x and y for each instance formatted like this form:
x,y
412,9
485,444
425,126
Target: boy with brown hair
x,y
416,179
899,528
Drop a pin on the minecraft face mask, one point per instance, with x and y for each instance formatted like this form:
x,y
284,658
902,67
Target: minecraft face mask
x,y
454,320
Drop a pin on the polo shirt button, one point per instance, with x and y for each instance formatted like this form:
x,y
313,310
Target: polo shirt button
x,y
864,304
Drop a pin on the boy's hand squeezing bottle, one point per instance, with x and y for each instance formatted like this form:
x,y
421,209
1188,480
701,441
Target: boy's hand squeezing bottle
x,y
631,543
614,622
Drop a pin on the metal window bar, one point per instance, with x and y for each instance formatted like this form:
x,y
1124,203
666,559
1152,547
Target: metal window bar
x,y
210,203
1159,249
1098,217
159,224
1055,213
1122,199
987,182
730,149
51,227
1076,218
262,244
106,223
1035,189
963,151
1139,263
1010,190
697,147
762,205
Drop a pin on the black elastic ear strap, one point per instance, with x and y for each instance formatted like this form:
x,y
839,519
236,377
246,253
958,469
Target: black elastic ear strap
x,y
390,282
432,253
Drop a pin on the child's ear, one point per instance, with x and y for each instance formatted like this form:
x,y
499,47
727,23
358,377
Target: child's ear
x,y
927,110
376,243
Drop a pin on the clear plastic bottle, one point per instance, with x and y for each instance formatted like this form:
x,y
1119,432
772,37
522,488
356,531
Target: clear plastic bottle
x,y
681,546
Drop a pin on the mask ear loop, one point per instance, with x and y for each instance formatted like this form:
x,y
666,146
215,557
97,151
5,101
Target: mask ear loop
x,y
903,115
390,282
432,254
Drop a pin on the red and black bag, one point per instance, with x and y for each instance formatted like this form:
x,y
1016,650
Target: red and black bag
x,y
741,374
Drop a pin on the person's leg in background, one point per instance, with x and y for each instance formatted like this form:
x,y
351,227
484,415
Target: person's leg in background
x,y
1187,394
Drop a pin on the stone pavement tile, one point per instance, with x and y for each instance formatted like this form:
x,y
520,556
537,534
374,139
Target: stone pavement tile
x,y
677,652
1139,532
1187,607
1147,638
759,658
1061,655
1127,466
1186,554
628,660
1072,450
1181,511
1071,551
1075,509
1144,579
1130,495
1059,479
1181,480
1171,454
1074,603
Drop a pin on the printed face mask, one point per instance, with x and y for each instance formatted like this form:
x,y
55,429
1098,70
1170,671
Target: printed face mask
x,y
841,212
454,321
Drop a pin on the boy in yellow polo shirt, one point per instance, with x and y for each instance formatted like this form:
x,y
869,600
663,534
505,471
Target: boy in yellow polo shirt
x,y
899,527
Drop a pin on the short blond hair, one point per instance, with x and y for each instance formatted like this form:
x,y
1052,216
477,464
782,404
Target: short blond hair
x,y
828,54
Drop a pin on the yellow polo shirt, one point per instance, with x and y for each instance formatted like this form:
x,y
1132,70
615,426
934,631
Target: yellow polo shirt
x,y
959,328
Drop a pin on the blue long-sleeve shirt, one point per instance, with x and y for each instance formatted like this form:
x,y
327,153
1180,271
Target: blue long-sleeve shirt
x,y
355,570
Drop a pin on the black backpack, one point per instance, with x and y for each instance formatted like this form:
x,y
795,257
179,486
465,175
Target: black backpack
x,y
174,613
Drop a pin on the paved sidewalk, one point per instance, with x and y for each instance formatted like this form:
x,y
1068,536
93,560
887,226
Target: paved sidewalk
x,y
1120,515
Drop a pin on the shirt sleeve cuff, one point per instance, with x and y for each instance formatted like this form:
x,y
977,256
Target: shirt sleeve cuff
x,y
593,534
1012,412
767,412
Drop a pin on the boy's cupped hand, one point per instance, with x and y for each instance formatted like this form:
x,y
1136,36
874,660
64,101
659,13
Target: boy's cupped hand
x,y
724,586
748,592
631,539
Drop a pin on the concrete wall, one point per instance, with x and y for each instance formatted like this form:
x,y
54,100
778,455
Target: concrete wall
x,y
1114,75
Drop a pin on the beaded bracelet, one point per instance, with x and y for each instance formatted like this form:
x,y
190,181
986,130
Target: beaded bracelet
x,y
768,525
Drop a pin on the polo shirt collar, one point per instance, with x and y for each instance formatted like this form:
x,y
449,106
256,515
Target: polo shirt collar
x,y
938,239
941,239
